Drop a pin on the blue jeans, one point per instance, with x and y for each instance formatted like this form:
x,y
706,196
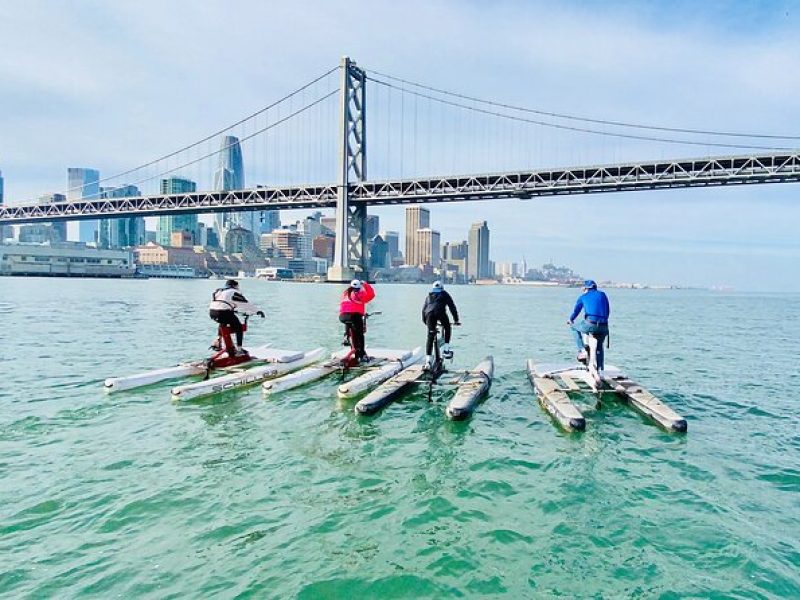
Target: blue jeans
x,y
599,330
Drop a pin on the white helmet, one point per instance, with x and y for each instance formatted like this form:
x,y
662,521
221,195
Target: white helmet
x,y
437,286
355,284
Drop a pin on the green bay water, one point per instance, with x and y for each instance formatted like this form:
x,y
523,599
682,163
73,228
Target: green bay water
x,y
132,495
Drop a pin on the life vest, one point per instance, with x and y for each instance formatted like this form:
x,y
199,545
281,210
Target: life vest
x,y
222,299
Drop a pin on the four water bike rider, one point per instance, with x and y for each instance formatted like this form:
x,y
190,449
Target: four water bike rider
x,y
352,308
596,311
225,302
435,311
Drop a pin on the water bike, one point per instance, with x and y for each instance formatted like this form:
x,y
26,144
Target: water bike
x,y
382,364
553,384
472,385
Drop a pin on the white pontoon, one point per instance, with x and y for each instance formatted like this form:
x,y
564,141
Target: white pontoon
x,y
384,360
258,355
285,362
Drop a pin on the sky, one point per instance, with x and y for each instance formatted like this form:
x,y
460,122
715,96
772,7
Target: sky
x,y
111,85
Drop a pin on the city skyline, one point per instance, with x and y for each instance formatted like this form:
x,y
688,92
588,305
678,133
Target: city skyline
x,y
745,238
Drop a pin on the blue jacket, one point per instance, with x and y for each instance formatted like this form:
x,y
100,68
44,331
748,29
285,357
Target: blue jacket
x,y
594,304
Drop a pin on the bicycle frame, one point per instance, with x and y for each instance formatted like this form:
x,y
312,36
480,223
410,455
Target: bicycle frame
x,y
349,359
591,342
437,368
225,356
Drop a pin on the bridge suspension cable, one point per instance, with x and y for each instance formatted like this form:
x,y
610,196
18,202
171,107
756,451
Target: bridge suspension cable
x,y
240,140
243,122
561,126
582,118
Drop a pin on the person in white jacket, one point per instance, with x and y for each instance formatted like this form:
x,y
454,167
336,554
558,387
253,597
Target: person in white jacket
x,y
225,302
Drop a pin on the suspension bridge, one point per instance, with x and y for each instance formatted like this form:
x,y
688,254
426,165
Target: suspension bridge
x,y
300,139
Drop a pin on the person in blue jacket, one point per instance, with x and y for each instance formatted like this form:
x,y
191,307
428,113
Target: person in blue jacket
x,y
596,310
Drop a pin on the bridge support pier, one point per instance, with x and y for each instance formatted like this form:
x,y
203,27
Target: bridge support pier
x,y
350,250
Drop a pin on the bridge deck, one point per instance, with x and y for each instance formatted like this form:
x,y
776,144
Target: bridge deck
x,y
715,171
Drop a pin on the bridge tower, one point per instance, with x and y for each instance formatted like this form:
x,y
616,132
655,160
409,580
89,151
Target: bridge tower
x,y
350,251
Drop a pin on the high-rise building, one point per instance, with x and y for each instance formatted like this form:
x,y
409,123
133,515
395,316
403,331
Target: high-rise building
x,y
241,240
417,218
43,232
267,220
322,247
169,224
455,251
372,226
508,269
270,220
35,233
124,232
428,247
392,239
378,253
478,258
329,223
454,259
310,228
1,188
83,184
230,176
288,243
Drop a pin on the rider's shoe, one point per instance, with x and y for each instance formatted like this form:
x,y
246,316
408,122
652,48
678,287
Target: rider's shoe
x,y
428,363
365,359
446,351
346,341
583,357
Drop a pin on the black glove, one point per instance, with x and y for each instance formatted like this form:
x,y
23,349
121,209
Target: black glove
x,y
260,314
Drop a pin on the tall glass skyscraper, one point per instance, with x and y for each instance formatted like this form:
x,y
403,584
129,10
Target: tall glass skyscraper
x,y
230,176
170,224
83,184
270,220
478,251
125,232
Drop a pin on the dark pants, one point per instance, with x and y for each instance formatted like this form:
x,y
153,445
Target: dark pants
x,y
355,322
431,322
229,319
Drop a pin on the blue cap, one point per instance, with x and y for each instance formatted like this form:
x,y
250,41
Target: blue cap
x,y
590,284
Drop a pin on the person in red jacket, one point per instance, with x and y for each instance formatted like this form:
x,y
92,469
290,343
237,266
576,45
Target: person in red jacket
x,y
351,312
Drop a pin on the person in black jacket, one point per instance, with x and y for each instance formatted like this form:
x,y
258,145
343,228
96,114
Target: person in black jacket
x,y
435,311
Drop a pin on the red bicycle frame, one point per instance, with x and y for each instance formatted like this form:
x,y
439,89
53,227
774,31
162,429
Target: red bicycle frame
x,y
225,356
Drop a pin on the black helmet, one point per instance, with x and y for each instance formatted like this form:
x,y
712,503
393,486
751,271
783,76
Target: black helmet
x,y
232,283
